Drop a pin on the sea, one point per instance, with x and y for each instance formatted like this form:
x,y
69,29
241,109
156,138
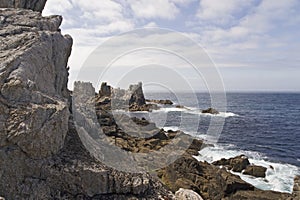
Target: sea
x,y
263,126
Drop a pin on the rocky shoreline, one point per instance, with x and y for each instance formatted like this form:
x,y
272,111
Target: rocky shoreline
x,y
41,153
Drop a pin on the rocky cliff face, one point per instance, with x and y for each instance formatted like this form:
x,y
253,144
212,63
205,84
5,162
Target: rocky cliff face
x,y
41,155
36,5
34,97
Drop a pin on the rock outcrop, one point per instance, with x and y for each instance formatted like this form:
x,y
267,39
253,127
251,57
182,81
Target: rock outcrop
x,y
212,182
164,102
242,164
131,99
210,111
34,97
296,189
257,171
236,164
41,154
35,5
133,96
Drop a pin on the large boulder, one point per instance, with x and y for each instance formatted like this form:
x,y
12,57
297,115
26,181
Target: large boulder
x,y
210,111
35,5
236,164
184,194
257,171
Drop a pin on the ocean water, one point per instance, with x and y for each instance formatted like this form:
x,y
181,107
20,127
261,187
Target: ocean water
x,y
263,126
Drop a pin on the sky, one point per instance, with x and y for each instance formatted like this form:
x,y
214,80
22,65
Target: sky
x,y
254,44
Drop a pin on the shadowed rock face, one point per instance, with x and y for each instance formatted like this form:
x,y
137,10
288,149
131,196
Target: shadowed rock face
x,y
35,5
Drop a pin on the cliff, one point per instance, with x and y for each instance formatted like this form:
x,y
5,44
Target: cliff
x,y
36,5
41,153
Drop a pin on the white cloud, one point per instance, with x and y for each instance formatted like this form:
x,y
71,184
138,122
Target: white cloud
x,y
236,33
100,10
221,12
164,9
183,2
60,7
151,25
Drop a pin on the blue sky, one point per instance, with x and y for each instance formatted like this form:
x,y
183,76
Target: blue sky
x,y
254,43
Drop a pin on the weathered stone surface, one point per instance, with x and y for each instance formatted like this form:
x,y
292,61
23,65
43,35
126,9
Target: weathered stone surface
x,y
184,194
212,182
236,164
105,90
131,99
296,188
257,171
34,98
33,82
209,181
35,5
122,98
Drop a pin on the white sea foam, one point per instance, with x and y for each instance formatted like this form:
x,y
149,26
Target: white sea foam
x,y
221,114
280,178
195,111
172,128
170,109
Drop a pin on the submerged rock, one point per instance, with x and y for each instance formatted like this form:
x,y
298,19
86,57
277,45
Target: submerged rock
x,y
211,111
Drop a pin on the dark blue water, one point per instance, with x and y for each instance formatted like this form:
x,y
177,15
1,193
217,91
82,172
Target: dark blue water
x,y
266,123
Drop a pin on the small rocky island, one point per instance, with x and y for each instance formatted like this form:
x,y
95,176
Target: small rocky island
x,y
41,154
